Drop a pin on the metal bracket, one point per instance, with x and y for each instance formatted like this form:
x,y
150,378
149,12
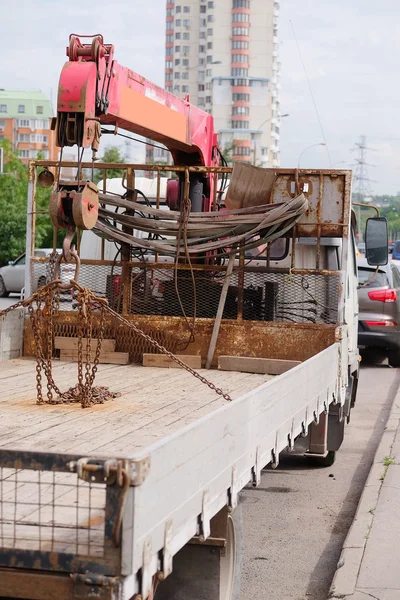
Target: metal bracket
x,y
147,578
256,470
139,470
167,551
205,518
90,585
234,489
275,453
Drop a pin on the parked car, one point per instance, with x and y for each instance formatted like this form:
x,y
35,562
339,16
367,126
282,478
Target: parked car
x,y
379,306
396,250
12,276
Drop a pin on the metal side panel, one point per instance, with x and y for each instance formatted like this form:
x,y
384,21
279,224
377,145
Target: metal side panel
x,y
197,471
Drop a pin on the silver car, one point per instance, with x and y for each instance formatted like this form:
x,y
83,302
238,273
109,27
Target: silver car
x,y
379,306
12,277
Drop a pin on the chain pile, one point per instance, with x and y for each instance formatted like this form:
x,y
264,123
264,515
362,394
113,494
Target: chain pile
x,y
42,306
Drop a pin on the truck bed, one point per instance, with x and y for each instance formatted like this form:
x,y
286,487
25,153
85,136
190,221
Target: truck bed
x,y
154,403
197,452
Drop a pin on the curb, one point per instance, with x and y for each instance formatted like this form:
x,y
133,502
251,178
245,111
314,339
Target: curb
x,y
345,578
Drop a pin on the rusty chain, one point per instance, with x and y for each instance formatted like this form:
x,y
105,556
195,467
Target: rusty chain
x,y
83,392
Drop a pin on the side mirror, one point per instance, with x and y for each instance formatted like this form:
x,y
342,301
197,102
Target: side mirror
x,y
376,242
10,262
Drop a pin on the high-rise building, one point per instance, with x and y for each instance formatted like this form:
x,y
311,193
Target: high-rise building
x,y
225,55
25,119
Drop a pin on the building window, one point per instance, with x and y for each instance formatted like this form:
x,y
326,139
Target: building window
x,y
185,75
203,22
240,82
177,61
203,9
240,18
202,35
169,38
177,48
177,75
201,88
209,59
209,73
185,62
240,125
240,31
169,12
186,9
240,58
24,153
210,4
186,22
39,110
2,124
241,151
239,72
21,108
177,22
209,31
186,50
241,97
240,110
3,107
185,89
186,35
209,45
210,18
23,137
208,99
168,64
178,9
23,122
208,86
202,49
177,35
177,88
240,44
241,3
264,151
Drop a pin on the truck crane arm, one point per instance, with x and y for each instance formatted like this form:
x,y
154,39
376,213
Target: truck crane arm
x,y
95,90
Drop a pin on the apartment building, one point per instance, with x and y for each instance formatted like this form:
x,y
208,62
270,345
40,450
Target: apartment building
x,y
225,55
25,119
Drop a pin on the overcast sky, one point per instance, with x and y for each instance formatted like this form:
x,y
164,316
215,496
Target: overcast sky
x,y
350,49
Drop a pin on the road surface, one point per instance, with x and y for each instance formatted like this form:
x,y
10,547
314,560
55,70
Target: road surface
x,y
5,302
295,523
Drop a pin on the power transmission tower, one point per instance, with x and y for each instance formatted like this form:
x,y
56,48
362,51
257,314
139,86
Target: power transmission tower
x,y
361,178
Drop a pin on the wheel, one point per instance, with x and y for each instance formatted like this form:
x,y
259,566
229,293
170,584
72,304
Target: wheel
x,y
41,281
394,358
202,572
322,461
3,290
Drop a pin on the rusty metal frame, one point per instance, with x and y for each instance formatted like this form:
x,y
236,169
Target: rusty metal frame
x,y
62,562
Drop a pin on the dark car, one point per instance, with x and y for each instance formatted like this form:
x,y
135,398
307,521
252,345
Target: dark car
x,y
396,250
379,306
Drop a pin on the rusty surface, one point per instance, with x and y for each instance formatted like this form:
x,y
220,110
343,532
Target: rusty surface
x,y
291,341
18,583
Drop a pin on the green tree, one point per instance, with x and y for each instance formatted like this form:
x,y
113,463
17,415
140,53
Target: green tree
x,y
13,203
112,154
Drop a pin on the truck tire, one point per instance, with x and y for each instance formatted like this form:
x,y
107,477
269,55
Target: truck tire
x,y
202,572
322,461
394,358
3,290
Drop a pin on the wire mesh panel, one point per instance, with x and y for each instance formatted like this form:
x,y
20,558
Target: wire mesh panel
x,y
49,511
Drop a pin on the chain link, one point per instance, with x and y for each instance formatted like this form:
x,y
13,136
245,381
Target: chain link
x,y
87,300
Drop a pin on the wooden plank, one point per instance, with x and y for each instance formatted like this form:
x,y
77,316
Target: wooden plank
x,y
71,343
247,364
162,360
114,358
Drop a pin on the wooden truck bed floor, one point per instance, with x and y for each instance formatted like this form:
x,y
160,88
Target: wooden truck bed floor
x,y
155,402
67,515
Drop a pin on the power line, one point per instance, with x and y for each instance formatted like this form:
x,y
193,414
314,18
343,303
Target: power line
x,y
312,95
